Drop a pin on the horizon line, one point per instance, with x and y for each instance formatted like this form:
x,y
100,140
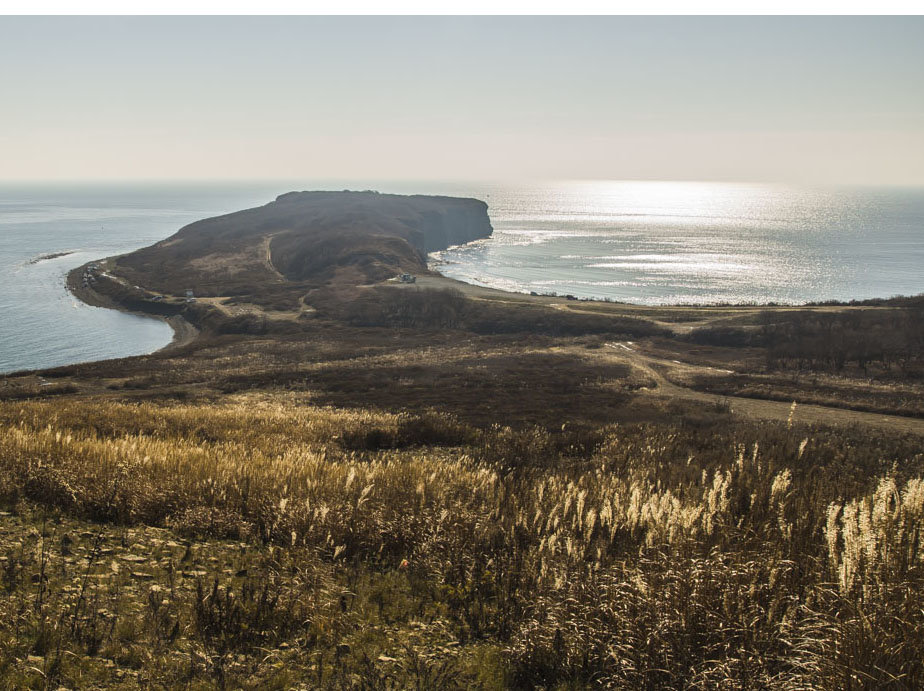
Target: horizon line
x,y
444,181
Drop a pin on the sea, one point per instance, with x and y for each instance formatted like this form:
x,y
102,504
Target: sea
x,y
652,243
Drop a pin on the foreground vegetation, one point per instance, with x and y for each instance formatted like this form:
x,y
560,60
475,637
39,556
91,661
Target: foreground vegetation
x,y
264,542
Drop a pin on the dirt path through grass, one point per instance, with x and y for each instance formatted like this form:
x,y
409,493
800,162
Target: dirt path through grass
x,y
756,407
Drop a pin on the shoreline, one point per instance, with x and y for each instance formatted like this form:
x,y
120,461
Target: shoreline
x,y
669,316
438,281
184,333
808,304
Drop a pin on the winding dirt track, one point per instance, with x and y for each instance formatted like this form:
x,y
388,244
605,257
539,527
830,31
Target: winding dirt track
x,y
759,408
626,351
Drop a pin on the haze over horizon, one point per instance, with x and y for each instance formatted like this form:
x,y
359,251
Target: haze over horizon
x,y
830,100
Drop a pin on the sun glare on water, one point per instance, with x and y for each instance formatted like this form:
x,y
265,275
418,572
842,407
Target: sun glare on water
x,y
666,198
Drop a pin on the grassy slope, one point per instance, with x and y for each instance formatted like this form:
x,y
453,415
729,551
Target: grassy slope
x,y
265,542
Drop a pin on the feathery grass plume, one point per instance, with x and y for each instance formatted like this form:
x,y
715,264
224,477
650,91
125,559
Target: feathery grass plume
x,y
665,556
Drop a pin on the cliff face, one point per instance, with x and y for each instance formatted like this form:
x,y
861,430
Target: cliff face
x,y
308,238
392,232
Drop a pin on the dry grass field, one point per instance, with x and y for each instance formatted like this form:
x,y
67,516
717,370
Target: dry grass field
x,y
266,542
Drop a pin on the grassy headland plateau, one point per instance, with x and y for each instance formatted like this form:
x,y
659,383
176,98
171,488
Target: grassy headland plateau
x,y
337,479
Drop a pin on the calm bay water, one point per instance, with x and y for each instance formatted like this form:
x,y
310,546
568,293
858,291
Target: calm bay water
x,y
651,243
41,323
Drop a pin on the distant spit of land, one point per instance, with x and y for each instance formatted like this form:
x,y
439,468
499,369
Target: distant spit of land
x,y
46,257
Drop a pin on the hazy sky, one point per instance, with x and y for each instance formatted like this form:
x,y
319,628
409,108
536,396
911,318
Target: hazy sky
x,y
833,100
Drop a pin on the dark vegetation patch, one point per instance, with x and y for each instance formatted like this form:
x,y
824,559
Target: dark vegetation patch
x,y
887,338
21,393
424,308
866,359
534,387
727,337
378,258
909,301
881,340
895,399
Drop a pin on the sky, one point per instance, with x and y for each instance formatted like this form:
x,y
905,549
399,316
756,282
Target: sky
x,y
830,100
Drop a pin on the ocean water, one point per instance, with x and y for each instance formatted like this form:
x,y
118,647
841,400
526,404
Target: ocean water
x,y
660,243
648,243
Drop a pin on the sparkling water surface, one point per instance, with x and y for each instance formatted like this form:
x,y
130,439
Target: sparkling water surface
x,y
660,243
641,242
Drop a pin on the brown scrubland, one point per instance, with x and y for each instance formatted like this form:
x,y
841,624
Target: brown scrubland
x,y
345,481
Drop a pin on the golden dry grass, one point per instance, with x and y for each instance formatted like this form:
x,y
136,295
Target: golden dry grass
x,y
638,556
